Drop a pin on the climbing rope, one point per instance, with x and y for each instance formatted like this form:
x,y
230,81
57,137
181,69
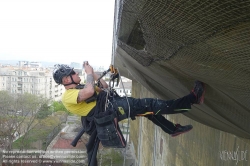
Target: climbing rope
x,y
126,139
117,8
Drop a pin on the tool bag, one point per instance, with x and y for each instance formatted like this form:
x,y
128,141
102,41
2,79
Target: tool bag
x,y
108,130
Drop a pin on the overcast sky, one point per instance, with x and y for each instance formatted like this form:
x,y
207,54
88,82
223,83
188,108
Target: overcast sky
x,y
61,31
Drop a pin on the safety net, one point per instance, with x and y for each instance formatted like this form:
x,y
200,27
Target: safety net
x,y
167,45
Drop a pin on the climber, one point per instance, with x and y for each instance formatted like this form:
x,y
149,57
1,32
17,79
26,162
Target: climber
x,y
74,99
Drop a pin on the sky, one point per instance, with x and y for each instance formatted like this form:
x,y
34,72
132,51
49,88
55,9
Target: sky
x,y
60,31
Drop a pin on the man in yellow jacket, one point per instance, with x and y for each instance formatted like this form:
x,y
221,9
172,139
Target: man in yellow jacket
x,y
74,99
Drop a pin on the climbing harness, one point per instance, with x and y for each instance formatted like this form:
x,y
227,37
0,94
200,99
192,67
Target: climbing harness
x,y
103,119
104,115
108,130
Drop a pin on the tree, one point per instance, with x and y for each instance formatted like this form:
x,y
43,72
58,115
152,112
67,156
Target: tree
x,y
17,115
5,122
58,106
110,156
40,135
44,112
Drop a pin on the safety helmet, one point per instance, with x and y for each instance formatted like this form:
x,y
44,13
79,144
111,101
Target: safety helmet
x,y
61,71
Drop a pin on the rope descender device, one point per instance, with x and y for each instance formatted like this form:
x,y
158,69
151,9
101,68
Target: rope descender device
x,y
114,75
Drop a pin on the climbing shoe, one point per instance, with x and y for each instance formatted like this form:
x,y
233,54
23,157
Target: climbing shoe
x,y
181,129
199,92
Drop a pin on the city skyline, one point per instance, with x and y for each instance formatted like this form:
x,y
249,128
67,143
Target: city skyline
x,y
45,63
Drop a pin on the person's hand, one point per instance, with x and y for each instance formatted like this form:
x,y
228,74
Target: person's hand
x,y
88,68
84,64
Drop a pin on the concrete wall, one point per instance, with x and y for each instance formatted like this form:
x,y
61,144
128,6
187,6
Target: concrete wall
x,y
202,146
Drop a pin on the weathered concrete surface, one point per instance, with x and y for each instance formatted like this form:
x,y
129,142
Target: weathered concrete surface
x,y
165,46
202,146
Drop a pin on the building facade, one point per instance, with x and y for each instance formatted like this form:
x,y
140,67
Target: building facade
x,y
124,87
30,81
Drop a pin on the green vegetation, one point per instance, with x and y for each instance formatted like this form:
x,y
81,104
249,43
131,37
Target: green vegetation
x,y
58,106
44,112
30,119
39,134
110,156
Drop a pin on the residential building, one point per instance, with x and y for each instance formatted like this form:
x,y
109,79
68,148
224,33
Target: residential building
x,y
28,80
124,87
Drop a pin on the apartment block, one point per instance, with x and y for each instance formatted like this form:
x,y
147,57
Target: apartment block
x,y
126,91
28,80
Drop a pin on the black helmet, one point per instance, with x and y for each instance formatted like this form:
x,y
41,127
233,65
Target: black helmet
x,y
61,71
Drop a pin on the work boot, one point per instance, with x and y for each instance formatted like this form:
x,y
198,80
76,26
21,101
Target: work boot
x,y
181,129
199,92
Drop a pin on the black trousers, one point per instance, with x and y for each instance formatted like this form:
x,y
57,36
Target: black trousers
x,y
154,109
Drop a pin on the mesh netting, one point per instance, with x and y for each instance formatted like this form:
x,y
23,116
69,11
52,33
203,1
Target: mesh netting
x,y
204,40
